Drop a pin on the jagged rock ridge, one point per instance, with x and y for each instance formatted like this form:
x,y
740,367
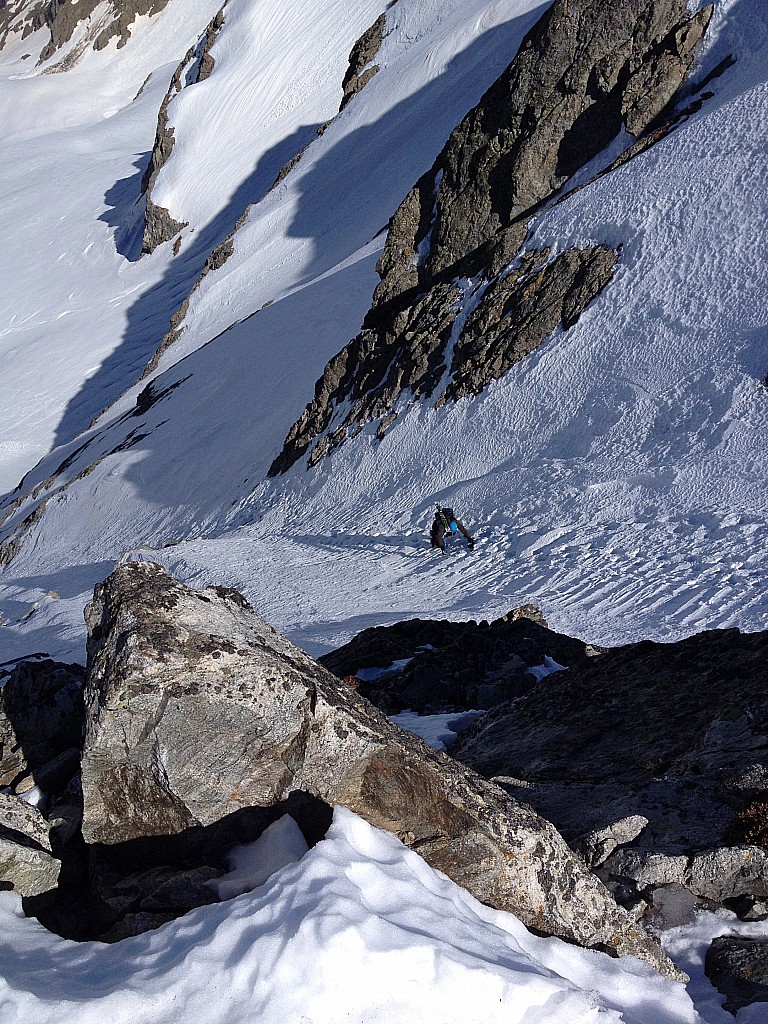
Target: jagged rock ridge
x,y
454,666
197,66
361,67
585,71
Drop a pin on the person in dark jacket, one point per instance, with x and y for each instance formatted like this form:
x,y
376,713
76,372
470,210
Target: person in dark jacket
x,y
445,525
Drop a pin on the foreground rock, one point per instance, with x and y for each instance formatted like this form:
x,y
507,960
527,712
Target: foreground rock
x,y
41,725
41,722
196,707
652,759
25,858
738,968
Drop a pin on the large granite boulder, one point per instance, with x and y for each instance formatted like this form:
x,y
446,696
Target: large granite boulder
x,y
196,708
672,735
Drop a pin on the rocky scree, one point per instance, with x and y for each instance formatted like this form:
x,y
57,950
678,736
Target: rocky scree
x,y
652,760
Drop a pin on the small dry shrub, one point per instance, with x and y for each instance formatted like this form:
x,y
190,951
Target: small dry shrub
x,y
750,826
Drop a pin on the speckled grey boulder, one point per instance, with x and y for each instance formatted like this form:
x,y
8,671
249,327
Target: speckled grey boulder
x,y
196,707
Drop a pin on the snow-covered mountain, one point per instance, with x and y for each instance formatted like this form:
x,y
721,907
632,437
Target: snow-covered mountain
x,y
616,475
195,200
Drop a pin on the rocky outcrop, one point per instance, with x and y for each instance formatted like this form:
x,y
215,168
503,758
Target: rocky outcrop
x,y
512,315
672,734
113,21
25,866
197,65
434,667
361,67
585,72
738,968
197,708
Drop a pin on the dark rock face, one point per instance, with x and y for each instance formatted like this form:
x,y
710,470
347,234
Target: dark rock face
x,y
196,707
41,724
585,71
675,734
454,666
738,968
197,65
514,314
360,70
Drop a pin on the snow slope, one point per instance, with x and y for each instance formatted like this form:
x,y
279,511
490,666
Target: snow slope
x,y
617,476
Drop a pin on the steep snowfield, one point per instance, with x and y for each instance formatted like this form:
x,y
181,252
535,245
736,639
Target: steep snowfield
x,y
617,476
73,144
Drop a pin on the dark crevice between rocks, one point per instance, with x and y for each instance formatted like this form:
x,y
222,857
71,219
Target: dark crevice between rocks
x,y
108,892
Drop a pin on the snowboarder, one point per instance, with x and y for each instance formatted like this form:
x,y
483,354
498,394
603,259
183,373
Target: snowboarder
x,y
445,524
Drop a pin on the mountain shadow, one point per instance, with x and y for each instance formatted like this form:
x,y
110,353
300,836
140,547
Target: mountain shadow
x,y
148,320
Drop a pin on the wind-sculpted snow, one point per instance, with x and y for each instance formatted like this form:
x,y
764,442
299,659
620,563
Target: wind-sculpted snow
x,y
359,929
